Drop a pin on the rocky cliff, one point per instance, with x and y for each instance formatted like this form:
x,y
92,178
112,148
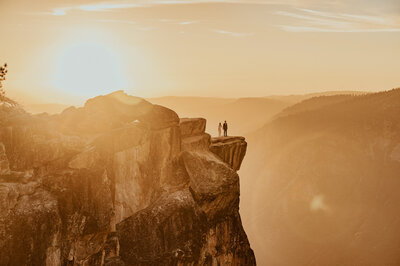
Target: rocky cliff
x,y
230,149
117,182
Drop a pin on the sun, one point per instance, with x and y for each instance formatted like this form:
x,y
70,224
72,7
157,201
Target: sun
x,y
88,69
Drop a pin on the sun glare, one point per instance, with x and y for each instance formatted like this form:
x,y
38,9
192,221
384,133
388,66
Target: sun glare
x,y
87,69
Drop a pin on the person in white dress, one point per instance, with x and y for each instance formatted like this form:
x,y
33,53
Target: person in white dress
x,y
219,130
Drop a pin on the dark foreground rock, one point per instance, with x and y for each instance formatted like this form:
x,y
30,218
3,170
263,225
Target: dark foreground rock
x,y
117,182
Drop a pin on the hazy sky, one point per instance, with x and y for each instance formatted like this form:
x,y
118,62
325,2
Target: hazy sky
x,y
65,51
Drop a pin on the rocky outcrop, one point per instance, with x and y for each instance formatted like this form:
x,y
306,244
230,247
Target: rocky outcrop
x,y
192,126
117,182
230,149
193,134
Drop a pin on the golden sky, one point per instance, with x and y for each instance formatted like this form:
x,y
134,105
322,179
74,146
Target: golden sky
x,y
65,51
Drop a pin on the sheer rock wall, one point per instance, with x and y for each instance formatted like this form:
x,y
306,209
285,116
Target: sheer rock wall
x,y
230,149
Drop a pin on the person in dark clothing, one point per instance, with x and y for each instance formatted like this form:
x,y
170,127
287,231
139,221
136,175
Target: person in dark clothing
x,y
225,127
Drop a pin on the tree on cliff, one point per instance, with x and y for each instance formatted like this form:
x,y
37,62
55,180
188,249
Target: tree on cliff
x,y
3,73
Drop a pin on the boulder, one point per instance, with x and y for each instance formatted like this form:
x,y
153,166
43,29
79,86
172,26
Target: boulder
x,y
160,117
192,126
215,186
198,142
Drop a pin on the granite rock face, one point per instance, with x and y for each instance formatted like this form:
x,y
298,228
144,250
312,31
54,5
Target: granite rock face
x,y
193,134
192,126
117,182
230,149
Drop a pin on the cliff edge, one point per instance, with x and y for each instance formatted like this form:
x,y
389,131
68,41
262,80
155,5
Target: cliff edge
x,y
230,149
119,181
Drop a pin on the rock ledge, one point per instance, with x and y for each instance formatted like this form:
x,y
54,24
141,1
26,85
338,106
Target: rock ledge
x,y
230,149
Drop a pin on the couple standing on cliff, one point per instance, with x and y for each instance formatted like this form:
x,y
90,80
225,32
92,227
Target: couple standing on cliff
x,y
225,127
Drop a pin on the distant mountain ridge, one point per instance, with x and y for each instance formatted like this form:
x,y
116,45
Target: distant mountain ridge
x,y
244,114
295,98
325,182
50,108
